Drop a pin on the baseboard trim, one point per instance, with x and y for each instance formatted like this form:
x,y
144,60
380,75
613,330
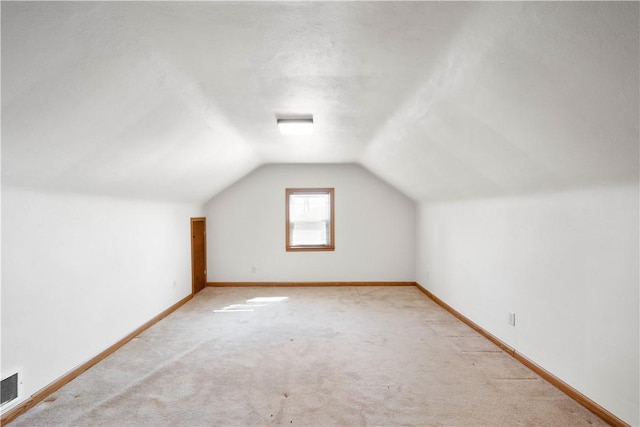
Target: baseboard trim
x,y
508,349
605,415
302,284
43,393
592,406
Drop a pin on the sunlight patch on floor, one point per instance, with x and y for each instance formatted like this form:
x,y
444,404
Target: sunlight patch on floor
x,y
250,304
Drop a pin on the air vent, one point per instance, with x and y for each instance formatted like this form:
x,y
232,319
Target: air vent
x,y
9,389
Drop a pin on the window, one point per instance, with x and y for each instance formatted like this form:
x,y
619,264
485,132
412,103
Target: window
x,y
310,221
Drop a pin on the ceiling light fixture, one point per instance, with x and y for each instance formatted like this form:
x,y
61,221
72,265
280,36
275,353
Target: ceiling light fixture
x,y
296,126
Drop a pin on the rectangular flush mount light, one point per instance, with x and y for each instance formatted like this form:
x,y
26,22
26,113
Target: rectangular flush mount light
x,y
296,126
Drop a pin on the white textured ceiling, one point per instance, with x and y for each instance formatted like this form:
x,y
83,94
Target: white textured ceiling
x,y
177,100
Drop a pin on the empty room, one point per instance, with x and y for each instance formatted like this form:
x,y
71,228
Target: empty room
x,y
320,213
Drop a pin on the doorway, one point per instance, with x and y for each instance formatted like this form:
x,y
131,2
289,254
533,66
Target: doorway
x,y
198,254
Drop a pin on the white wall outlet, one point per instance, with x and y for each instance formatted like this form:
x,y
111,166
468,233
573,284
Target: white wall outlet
x,y
512,318
253,269
174,283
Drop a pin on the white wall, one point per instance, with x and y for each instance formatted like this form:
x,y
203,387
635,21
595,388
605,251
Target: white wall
x,y
565,263
374,228
81,272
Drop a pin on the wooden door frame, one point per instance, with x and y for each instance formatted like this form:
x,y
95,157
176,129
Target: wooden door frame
x,y
193,276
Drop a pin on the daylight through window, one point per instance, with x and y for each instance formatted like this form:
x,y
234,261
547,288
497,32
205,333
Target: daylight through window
x,y
309,222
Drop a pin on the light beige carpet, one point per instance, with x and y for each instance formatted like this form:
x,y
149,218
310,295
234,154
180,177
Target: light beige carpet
x,y
319,357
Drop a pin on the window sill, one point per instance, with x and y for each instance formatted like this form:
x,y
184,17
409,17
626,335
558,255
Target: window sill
x,y
310,248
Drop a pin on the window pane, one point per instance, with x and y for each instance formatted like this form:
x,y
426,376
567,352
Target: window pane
x,y
309,216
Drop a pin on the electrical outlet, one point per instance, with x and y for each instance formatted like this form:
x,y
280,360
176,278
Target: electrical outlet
x,y
253,269
512,318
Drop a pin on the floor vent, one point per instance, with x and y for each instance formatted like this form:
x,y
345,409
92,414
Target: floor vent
x,y
9,389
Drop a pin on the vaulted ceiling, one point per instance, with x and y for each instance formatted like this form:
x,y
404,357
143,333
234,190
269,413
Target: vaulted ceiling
x,y
444,100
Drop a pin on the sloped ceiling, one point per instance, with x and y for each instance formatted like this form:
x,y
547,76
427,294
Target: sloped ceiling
x,y
177,100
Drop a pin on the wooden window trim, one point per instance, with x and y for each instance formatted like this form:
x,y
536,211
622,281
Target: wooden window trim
x,y
331,246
